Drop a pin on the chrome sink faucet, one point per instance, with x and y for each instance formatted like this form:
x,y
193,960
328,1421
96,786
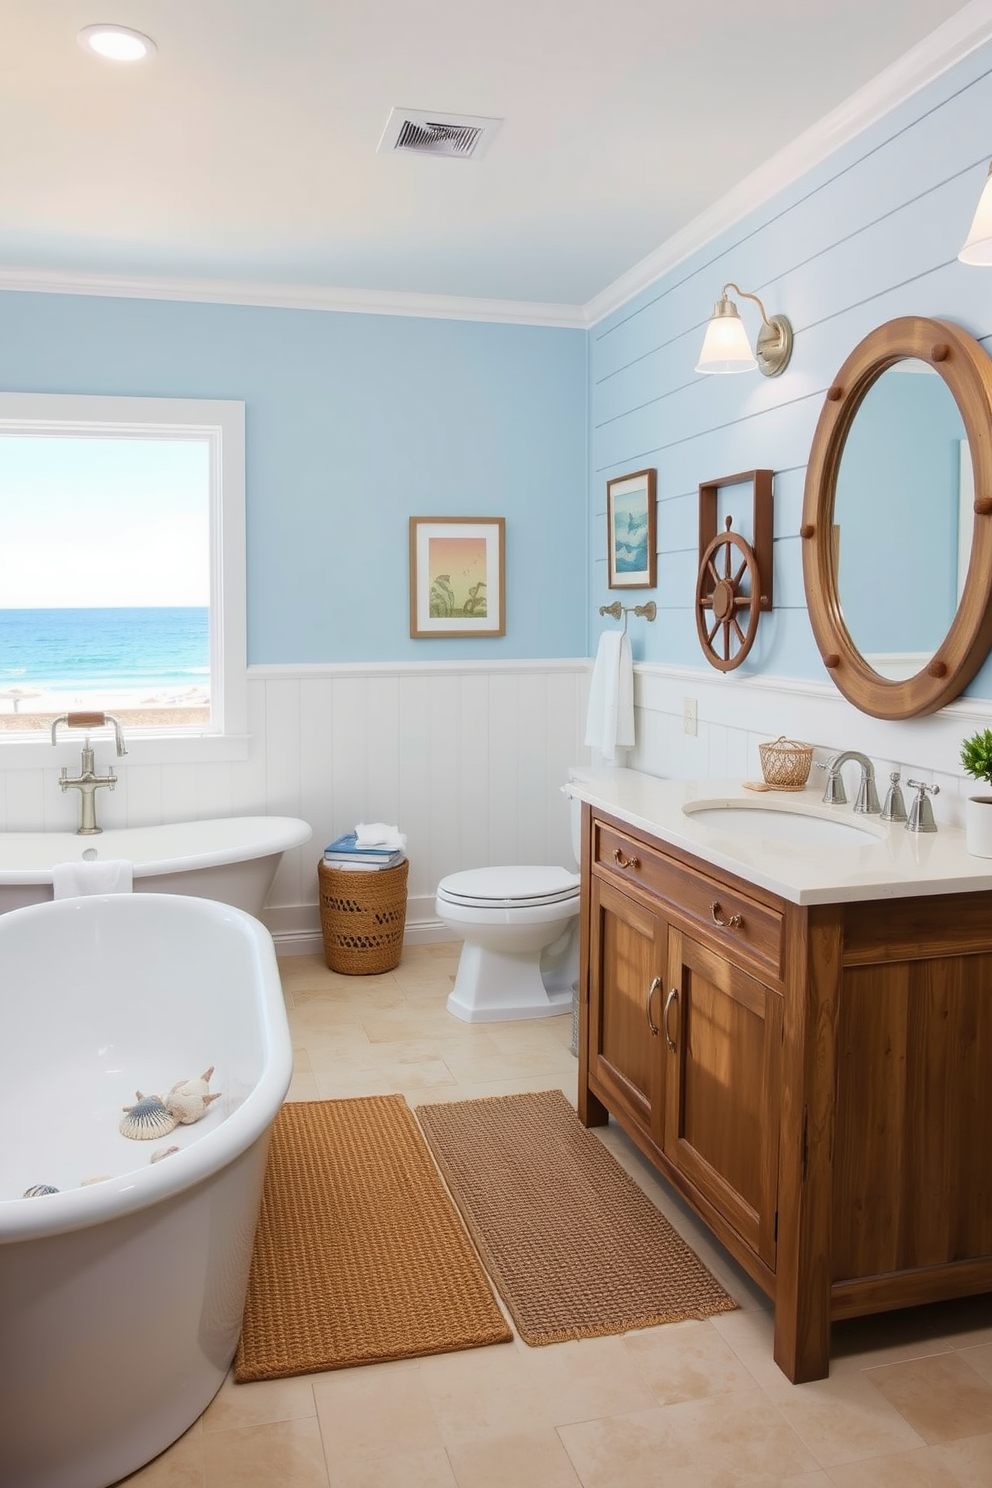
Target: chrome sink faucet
x,y
88,782
835,795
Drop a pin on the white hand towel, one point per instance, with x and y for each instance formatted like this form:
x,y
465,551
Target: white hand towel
x,y
102,876
610,716
379,834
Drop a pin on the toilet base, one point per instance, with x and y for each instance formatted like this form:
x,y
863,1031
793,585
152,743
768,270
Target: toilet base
x,y
499,986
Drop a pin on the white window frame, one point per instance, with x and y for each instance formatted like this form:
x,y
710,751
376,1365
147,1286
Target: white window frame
x,y
222,424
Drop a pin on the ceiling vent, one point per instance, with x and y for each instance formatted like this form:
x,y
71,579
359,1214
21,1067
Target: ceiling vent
x,y
418,132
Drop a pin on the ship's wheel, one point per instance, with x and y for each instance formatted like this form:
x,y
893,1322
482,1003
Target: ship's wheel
x,y
728,600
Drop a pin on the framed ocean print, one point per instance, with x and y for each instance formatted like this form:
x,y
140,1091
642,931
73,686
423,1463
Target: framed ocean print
x,y
630,531
457,577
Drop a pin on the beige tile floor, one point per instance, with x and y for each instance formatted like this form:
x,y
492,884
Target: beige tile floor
x,y
690,1405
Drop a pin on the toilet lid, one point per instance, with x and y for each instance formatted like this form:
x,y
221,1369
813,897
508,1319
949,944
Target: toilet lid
x,y
525,884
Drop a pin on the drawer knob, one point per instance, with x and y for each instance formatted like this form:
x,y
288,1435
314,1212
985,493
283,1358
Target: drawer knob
x,y
623,862
734,923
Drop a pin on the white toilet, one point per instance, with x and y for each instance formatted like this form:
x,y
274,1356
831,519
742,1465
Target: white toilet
x,y
520,931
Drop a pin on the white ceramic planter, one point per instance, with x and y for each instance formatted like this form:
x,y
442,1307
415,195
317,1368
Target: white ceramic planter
x,y
978,826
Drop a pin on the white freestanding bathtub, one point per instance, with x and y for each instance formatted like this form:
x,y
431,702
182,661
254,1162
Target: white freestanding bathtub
x,y
230,858
121,1300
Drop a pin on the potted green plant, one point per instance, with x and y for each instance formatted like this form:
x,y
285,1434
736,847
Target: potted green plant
x,y
976,757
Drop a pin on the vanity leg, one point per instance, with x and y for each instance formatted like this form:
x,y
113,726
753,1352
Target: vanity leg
x,y
592,1112
803,1257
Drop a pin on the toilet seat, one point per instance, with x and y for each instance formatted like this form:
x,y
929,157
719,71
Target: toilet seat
x,y
522,887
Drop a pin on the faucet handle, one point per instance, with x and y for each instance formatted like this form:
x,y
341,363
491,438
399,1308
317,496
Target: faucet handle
x,y
834,793
895,806
921,812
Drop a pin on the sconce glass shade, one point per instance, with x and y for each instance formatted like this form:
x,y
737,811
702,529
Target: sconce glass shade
x,y
978,244
725,345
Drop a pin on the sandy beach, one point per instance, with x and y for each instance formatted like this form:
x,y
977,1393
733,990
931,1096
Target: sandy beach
x,y
163,717
26,710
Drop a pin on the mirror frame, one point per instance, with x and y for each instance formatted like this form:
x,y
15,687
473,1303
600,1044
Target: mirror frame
x,y
967,371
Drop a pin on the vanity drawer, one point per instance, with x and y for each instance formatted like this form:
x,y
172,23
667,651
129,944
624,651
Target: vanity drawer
x,y
744,925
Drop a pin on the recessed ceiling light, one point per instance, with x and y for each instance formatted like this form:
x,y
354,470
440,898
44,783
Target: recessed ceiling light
x,y
119,43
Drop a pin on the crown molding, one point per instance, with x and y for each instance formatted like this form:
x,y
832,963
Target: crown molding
x,y
923,64
293,297
956,39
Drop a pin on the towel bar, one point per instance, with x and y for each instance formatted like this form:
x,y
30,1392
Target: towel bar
x,y
616,609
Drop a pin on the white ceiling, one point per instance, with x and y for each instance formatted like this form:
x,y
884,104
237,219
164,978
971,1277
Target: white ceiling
x,y
245,150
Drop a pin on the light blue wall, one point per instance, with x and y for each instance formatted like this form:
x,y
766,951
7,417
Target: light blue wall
x,y
355,423
870,234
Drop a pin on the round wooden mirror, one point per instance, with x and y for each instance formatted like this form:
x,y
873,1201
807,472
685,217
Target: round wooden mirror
x,y
897,519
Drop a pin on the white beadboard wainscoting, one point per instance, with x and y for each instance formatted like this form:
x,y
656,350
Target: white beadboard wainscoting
x,y
468,760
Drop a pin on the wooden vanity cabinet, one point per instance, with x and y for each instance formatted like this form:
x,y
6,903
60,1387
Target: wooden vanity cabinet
x,y
682,1039
815,1082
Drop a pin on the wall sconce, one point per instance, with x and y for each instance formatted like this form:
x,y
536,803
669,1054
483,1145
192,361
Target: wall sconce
x,y
727,349
978,244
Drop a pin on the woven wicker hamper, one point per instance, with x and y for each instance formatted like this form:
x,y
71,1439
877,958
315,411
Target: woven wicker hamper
x,y
362,917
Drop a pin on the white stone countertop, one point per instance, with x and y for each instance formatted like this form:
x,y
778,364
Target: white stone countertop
x,y
889,863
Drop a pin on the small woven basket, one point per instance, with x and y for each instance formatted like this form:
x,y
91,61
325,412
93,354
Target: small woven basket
x,y
785,764
362,917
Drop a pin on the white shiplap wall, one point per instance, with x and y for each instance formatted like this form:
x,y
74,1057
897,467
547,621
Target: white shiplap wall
x,y
870,234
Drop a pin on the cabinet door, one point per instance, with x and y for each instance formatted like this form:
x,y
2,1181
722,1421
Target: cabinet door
x,y
723,1034
626,985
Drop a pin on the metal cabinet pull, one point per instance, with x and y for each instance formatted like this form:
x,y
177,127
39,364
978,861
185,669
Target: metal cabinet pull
x,y
651,991
623,862
734,923
672,997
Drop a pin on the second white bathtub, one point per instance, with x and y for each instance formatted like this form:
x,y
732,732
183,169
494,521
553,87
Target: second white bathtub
x,y
233,859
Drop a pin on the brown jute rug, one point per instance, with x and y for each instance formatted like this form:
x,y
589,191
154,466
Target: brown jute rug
x,y
359,1255
575,1248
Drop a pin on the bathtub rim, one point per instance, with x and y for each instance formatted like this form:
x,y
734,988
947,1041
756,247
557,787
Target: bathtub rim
x,y
143,1187
262,836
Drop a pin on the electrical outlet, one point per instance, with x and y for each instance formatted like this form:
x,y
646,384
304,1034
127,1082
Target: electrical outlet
x,y
689,715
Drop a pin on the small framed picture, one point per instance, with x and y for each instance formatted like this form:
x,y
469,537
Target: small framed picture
x,y
630,531
457,577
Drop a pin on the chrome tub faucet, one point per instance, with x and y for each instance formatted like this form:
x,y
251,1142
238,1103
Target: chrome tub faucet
x,y
87,782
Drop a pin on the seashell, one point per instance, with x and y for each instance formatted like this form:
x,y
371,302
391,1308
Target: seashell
x,y
147,1119
100,1178
162,1152
189,1099
37,1189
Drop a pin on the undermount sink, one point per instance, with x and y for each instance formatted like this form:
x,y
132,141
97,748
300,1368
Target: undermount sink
x,y
782,822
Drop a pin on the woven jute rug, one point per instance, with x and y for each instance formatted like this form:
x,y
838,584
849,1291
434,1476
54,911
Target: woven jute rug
x,y
359,1254
575,1248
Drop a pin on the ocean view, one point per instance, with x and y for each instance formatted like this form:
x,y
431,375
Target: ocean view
x,y
157,655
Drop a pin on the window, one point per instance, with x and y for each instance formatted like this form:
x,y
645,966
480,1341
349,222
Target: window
x,y
122,565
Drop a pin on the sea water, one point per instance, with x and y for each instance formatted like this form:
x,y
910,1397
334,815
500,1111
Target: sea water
x,y
159,653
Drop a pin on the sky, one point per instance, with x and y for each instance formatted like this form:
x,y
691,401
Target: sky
x,y
96,521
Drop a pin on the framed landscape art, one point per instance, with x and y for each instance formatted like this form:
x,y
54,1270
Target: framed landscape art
x,y
630,531
457,577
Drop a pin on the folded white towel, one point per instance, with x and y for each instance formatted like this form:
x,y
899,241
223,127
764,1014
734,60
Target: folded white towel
x,y
379,834
102,876
610,716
